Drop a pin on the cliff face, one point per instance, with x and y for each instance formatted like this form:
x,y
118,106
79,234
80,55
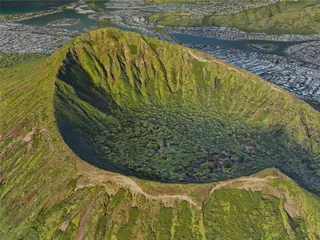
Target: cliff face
x,y
88,89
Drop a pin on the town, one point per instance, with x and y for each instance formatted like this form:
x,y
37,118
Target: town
x,y
29,39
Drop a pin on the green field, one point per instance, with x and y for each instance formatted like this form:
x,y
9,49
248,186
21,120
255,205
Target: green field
x,y
49,191
301,17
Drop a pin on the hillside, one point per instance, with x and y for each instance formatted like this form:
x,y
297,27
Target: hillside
x,y
302,17
282,18
111,80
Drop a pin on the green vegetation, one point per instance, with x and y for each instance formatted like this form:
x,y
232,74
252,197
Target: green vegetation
x,y
180,144
165,223
11,59
179,119
183,226
255,211
251,208
126,230
302,17
48,192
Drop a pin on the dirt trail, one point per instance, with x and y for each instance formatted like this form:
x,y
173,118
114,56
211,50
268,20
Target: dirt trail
x,y
104,178
254,183
113,181
128,183
136,188
201,59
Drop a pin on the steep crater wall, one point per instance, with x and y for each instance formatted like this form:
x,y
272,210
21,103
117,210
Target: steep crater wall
x,y
160,111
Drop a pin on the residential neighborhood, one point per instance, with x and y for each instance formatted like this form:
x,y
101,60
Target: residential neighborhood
x,y
28,39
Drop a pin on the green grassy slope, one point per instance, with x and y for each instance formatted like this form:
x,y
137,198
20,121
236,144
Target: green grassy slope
x,y
47,192
301,17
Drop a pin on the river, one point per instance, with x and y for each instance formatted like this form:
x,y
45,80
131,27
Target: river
x,y
279,49
85,21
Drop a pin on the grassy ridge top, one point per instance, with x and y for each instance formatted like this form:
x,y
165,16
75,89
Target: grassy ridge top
x,y
302,17
47,192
